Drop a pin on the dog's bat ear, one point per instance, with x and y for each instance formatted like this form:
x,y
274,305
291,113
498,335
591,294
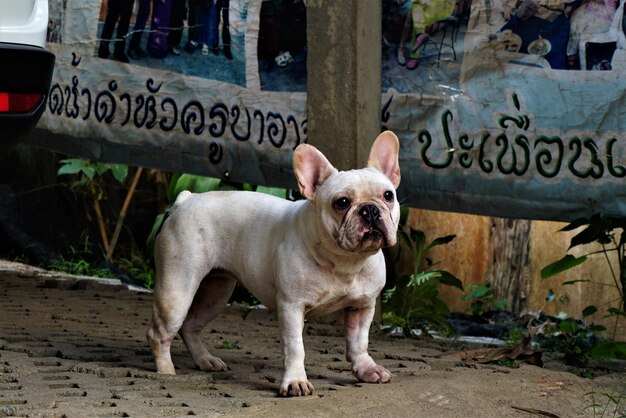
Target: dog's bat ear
x,y
311,169
384,156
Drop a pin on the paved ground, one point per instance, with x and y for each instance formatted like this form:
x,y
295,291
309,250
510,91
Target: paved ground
x,y
76,348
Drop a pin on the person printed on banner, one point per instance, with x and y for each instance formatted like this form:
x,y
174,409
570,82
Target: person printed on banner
x,y
158,40
282,31
407,28
208,21
593,16
224,8
543,26
141,18
177,21
193,25
211,13
118,13
424,15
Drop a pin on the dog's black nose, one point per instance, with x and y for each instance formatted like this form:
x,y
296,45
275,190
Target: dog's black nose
x,y
370,213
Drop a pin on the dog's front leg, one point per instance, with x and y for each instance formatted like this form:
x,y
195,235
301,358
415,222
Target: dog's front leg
x,y
357,323
291,322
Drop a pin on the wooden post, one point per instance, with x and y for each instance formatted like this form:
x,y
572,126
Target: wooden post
x,y
344,78
508,269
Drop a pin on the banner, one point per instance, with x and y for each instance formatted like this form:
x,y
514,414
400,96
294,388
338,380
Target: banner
x,y
503,108
195,86
522,119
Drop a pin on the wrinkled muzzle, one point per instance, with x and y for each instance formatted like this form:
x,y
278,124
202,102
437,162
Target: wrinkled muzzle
x,y
367,229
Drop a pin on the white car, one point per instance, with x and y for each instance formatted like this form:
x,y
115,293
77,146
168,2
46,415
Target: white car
x,y
25,67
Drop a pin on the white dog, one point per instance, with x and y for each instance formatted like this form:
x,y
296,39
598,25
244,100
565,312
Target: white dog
x,y
301,259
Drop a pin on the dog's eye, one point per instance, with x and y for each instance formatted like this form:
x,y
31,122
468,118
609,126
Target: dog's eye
x,y
388,196
341,203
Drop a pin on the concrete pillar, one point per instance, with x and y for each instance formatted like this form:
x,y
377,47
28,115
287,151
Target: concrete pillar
x,y
344,78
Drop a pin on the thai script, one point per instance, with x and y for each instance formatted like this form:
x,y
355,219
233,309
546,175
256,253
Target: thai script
x,y
514,151
153,111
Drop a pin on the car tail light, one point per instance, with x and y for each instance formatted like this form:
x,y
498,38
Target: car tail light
x,y
19,102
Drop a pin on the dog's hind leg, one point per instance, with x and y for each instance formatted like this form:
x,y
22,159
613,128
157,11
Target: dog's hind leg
x,y
210,299
173,296
167,318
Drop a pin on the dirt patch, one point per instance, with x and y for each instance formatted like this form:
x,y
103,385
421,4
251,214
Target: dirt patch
x,y
77,348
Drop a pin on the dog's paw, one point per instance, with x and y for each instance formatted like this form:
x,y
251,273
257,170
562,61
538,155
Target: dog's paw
x,y
211,364
373,374
165,368
296,388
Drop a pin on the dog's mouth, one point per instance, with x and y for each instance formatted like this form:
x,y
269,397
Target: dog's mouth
x,y
365,236
373,234
374,238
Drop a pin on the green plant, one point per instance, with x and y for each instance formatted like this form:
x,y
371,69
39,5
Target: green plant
x,y
482,296
227,345
511,364
515,336
414,297
76,261
608,232
89,182
607,404
91,179
79,267
572,339
139,268
581,344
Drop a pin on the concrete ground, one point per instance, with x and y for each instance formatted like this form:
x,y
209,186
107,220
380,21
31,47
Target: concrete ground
x,y
71,347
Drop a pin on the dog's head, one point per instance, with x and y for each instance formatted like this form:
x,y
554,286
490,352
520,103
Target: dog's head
x,y
358,208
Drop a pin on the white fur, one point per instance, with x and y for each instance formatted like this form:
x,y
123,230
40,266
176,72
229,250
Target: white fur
x,y
301,258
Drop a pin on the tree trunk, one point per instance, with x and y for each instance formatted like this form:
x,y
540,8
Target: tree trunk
x,y
508,269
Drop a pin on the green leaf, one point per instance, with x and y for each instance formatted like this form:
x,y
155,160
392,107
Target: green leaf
x,y
568,326
388,294
477,292
156,228
589,310
71,166
441,241
404,214
609,350
501,304
404,237
418,237
418,279
575,281
393,320
575,224
273,191
450,280
195,184
616,312
477,307
77,166
596,231
565,263
171,188
89,172
119,171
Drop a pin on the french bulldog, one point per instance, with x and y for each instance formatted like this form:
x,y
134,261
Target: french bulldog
x,y
301,259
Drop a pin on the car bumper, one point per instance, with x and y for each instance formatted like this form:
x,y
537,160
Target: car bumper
x,y
23,69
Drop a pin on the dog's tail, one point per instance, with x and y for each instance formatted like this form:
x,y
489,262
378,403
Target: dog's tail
x,y
160,220
182,196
